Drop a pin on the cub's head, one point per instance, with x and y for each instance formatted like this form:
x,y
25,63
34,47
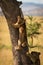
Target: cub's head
x,y
35,54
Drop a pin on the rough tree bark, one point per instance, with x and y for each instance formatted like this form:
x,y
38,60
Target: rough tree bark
x,y
11,10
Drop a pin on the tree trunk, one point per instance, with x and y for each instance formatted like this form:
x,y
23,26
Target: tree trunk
x,y
11,10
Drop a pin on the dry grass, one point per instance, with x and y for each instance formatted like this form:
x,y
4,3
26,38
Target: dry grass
x,y
6,57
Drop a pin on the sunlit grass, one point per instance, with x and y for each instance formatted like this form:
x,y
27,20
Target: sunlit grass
x,y
2,46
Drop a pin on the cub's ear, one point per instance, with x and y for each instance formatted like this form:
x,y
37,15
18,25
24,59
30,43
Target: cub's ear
x,y
39,53
34,52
